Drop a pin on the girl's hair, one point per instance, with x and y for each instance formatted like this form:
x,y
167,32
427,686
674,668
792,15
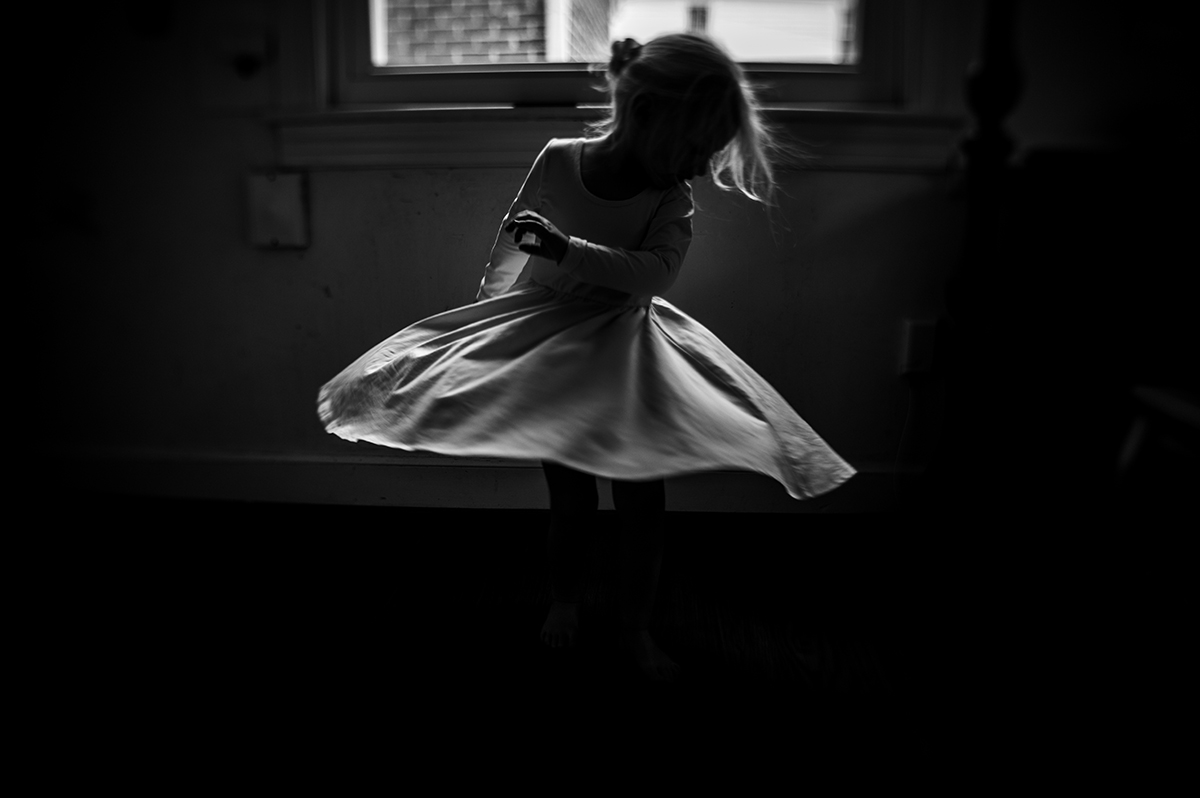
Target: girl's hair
x,y
698,90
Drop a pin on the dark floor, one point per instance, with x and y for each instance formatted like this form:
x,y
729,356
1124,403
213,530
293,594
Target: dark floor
x,y
872,643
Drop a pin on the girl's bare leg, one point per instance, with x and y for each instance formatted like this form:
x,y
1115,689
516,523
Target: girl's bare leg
x,y
642,506
573,504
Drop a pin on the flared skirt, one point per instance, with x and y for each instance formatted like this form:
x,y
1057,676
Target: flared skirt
x,y
619,391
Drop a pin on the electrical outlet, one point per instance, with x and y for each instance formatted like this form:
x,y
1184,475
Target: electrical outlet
x,y
917,346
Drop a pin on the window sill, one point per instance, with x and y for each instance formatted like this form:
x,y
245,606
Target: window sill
x,y
854,139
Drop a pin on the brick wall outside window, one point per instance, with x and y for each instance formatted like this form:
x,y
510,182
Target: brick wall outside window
x,y
466,31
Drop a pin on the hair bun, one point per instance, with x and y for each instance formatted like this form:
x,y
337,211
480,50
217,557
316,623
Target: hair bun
x,y
622,54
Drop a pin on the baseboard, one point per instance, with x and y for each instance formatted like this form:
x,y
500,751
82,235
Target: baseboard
x,y
415,480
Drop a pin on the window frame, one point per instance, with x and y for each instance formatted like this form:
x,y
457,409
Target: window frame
x,y
353,82
907,115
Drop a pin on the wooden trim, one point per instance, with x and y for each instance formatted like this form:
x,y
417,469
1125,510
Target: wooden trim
x,y
408,479
355,83
320,63
512,137
910,124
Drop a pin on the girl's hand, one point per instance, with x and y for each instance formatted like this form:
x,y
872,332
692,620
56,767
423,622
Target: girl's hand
x,y
552,243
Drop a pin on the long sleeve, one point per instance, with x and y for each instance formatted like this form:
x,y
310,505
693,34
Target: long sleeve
x,y
507,261
650,270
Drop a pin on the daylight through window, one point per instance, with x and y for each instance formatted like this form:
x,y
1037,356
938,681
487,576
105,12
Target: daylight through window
x,y
432,32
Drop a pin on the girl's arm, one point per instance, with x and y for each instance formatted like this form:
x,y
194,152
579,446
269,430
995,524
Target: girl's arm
x,y
507,261
652,269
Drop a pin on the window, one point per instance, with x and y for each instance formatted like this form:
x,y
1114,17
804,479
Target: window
x,y
422,32
886,95
537,52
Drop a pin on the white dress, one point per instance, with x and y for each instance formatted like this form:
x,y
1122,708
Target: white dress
x,y
581,363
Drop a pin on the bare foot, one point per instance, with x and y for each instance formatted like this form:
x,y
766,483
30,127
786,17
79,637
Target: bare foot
x,y
562,625
656,665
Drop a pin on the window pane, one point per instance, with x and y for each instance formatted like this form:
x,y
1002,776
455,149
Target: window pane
x,y
428,32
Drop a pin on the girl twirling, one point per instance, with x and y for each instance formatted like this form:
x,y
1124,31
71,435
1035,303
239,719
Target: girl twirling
x,y
581,364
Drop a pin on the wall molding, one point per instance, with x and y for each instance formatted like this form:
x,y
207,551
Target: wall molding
x,y
407,479
850,140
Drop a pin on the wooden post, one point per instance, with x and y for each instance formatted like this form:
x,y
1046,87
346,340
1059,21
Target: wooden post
x,y
968,456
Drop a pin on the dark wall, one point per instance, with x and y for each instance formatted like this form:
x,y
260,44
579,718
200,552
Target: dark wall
x,y
158,326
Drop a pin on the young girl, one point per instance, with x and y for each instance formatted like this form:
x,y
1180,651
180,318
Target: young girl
x,y
582,365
